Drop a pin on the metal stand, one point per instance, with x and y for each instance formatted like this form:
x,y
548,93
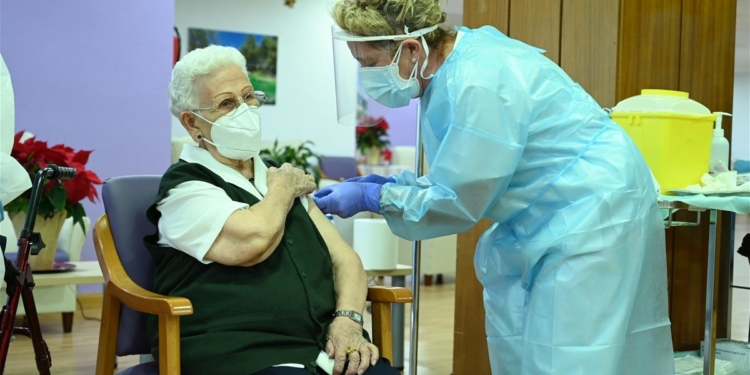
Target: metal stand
x,y
20,280
416,263
397,311
709,341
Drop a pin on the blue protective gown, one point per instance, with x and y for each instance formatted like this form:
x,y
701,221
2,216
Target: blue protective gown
x,y
574,268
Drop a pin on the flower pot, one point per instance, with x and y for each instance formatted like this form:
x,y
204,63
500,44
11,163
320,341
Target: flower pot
x,y
372,156
49,229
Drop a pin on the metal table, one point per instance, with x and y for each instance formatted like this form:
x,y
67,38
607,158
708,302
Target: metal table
x,y
710,335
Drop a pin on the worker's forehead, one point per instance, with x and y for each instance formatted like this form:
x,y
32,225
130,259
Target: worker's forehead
x,y
366,52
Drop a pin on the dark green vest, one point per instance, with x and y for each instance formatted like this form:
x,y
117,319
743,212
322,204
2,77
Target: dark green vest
x,y
246,318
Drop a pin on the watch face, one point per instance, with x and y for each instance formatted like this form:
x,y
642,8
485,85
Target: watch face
x,y
351,314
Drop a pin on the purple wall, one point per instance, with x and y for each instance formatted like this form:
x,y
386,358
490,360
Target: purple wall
x,y
93,75
402,121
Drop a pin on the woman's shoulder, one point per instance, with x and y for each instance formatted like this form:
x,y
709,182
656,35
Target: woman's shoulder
x,y
182,171
487,58
490,48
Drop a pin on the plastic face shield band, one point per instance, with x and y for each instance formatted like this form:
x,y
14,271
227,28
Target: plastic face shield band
x,y
354,106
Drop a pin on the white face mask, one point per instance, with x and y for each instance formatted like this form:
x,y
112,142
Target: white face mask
x,y
385,85
236,136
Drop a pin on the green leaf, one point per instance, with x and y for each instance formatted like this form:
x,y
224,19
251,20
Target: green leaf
x,y
20,204
46,208
289,154
77,212
57,197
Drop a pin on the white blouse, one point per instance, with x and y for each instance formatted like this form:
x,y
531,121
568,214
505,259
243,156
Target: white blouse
x,y
193,213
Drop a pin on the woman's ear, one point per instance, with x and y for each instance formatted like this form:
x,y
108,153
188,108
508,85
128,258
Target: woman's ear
x,y
413,47
188,122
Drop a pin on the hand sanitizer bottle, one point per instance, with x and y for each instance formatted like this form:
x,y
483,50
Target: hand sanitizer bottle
x,y
719,148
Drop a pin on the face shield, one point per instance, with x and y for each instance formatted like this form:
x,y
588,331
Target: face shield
x,y
368,83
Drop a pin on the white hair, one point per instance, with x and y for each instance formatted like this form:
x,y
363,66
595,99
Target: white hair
x,y
183,93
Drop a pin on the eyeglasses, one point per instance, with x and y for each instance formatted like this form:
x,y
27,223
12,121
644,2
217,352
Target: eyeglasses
x,y
227,106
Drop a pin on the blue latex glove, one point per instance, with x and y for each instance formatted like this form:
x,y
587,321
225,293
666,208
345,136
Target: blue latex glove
x,y
347,200
373,178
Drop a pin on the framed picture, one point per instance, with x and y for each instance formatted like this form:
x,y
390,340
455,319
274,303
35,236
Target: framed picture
x,y
260,51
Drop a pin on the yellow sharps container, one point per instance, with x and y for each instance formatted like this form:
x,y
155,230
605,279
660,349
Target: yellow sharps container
x,y
672,131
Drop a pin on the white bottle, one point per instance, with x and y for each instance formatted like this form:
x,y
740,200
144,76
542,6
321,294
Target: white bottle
x,y
719,148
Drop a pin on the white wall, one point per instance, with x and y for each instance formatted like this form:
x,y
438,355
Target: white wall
x,y
741,117
454,10
306,101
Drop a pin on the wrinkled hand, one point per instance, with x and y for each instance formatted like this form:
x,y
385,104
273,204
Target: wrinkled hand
x,y
294,179
373,178
347,199
344,333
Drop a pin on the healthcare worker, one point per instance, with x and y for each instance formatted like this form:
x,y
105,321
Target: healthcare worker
x,y
574,267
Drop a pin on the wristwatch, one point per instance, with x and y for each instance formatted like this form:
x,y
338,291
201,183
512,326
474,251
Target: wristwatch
x,y
353,315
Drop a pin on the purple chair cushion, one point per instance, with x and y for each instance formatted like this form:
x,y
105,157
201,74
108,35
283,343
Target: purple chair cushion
x,y
60,256
126,200
148,368
335,167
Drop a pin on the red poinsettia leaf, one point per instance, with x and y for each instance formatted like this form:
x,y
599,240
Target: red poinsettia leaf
x,y
93,178
82,156
93,195
387,154
50,184
53,156
78,166
34,155
17,137
66,152
77,189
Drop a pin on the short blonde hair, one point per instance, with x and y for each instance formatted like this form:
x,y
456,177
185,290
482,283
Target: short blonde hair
x,y
390,17
183,93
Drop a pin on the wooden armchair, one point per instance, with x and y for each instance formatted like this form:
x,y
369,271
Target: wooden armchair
x,y
128,274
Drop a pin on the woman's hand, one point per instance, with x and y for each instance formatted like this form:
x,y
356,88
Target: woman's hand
x,y
345,335
292,179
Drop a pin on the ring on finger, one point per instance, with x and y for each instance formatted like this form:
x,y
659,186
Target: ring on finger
x,y
350,350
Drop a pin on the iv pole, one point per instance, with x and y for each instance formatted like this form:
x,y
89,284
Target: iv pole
x,y
416,262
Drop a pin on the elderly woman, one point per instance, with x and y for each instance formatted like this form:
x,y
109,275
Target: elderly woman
x,y
274,288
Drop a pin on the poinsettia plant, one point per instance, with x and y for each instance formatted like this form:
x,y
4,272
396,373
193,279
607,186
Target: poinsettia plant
x,y
387,155
57,195
372,132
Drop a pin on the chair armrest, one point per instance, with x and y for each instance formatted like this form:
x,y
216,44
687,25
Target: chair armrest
x,y
382,298
121,286
139,299
388,294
